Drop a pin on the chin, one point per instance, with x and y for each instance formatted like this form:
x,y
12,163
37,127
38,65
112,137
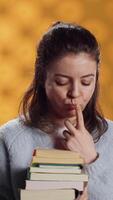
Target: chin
x,y
71,115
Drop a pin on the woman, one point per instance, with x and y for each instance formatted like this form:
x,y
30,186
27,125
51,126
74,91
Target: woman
x,y
59,110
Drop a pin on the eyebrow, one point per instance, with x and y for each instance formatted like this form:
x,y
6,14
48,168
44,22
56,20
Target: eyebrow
x,y
88,75
62,75
85,76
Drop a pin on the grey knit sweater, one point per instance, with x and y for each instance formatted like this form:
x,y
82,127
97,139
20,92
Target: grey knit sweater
x,y
17,143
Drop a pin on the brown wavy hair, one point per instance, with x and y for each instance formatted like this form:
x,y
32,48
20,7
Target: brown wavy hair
x,y
61,39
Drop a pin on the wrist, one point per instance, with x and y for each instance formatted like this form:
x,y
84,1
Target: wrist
x,y
95,158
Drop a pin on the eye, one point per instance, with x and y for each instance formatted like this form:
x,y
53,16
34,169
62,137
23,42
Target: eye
x,y
86,83
59,82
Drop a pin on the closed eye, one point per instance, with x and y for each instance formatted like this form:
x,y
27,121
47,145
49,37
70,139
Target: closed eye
x,y
86,83
61,83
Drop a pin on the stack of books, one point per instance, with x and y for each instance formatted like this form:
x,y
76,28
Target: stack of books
x,y
54,174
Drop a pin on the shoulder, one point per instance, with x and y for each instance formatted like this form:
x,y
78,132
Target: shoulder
x,y
110,126
15,132
13,128
108,134
110,123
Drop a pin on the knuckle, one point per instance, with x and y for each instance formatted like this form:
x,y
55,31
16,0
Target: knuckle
x,y
69,143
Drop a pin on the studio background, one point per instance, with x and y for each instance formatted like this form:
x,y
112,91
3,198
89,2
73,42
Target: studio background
x,y
21,25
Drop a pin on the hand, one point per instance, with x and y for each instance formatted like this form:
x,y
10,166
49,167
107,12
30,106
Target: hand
x,y
84,195
79,139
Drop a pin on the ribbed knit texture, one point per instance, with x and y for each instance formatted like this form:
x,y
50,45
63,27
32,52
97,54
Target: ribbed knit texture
x,y
17,143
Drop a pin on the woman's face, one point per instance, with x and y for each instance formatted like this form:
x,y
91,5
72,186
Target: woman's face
x,y
70,79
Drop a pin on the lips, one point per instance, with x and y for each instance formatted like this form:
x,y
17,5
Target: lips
x,y
71,107
71,104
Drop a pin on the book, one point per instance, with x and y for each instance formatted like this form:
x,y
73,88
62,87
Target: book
x,y
53,170
48,194
56,153
55,165
54,174
59,177
42,160
58,166
68,170
46,185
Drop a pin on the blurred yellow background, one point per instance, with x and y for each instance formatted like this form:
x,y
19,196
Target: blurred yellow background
x,y
22,22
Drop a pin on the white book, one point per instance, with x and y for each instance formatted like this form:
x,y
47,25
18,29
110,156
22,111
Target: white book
x,y
56,170
58,177
47,194
58,166
46,185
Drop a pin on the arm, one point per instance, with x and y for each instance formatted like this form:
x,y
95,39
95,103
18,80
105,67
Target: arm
x,y
5,183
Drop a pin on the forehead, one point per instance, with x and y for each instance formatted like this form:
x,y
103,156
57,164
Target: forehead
x,y
72,64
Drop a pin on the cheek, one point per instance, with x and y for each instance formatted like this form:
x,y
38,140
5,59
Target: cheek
x,y
88,94
54,93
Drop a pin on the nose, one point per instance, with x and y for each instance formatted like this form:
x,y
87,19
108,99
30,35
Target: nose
x,y
74,91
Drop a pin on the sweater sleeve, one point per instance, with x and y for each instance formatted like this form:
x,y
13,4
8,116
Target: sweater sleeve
x,y
5,182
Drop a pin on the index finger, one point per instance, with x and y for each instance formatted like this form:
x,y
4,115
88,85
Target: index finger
x,y
80,119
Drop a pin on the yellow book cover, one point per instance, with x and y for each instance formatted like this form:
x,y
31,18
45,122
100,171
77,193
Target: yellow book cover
x,y
55,153
46,160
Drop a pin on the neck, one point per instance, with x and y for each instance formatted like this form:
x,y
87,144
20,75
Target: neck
x,y
59,122
51,123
